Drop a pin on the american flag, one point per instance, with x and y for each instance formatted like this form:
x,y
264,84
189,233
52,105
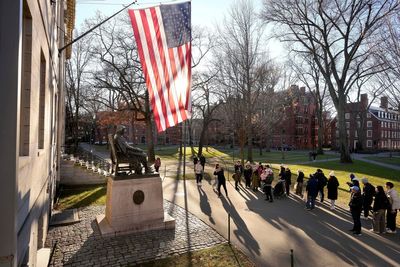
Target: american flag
x,y
163,37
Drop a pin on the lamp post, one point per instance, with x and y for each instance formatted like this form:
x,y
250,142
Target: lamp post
x,y
283,154
233,147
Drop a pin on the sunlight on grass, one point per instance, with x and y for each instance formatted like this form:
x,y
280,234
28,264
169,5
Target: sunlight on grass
x,y
218,256
76,197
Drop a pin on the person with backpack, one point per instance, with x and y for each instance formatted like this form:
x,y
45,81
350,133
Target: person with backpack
x,y
356,204
268,184
381,203
332,186
368,194
322,182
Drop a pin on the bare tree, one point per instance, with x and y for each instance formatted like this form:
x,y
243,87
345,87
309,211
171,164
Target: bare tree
x,y
77,81
118,75
390,53
240,60
340,36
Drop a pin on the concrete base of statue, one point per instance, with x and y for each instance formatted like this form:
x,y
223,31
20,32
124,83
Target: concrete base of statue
x,y
134,203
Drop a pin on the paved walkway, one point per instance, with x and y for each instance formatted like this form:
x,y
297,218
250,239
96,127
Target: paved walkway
x,y
81,244
267,231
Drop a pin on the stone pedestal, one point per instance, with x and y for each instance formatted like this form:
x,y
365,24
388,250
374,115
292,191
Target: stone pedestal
x,y
134,204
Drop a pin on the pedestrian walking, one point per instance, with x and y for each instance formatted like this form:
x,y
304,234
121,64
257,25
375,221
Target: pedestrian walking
x,y
237,176
247,172
219,172
356,204
268,184
299,183
312,192
368,194
288,180
381,204
195,160
391,213
157,164
322,181
332,186
198,169
202,161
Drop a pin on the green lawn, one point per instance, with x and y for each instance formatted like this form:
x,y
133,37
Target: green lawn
x,y
392,160
76,197
218,256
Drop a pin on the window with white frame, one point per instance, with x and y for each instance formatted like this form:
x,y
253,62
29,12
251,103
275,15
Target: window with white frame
x,y
369,143
369,124
347,116
347,125
368,115
355,134
369,133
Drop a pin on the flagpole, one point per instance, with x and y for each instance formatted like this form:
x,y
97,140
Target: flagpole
x,y
95,27
184,150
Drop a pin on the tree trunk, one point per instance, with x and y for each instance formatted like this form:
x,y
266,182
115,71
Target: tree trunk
x,y
320,151
193,152
343,141
249,144
150,142
201,142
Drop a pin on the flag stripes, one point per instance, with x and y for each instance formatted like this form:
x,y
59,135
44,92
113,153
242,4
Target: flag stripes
x,y
167,70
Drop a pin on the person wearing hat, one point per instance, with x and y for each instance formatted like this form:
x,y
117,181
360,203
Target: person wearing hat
x,y
312,192
288,180
247,174
353,181
368,194
356,204
332,186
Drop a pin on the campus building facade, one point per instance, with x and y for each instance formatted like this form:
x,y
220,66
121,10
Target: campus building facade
x,y
32,116
371,127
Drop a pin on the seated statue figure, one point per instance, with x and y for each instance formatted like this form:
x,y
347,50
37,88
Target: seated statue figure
x,y
130,151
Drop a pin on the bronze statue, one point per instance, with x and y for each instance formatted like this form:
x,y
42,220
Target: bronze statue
x,y
138,156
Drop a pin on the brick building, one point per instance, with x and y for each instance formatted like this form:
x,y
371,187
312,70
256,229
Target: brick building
x,y
297,128
371,127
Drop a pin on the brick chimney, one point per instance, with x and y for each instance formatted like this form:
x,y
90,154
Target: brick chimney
x,y
384,102
364,100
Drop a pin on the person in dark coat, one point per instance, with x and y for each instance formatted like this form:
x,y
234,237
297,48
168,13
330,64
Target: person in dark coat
x,y
300,181
282,172
353,181
368,194
356,205
238,174
381,203
312,192
219,172
202,161
288,180
247,172
332,186
195,160
322,181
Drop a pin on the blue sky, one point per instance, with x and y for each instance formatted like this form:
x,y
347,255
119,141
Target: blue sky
x,y
204,13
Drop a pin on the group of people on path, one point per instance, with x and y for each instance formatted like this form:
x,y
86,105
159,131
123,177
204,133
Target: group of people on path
x,y
383,204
